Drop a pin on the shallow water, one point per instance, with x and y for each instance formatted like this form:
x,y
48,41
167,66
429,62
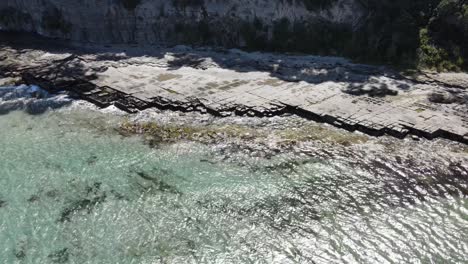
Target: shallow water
x,y
73,190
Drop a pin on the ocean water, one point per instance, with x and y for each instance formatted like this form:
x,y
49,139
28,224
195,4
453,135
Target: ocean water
x,y
73,190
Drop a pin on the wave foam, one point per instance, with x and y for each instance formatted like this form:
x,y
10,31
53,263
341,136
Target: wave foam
x,y
30,98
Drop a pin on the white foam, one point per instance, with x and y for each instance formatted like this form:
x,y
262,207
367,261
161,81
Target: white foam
x,y
30,98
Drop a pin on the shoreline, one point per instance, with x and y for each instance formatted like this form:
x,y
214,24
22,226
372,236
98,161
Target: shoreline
x,y
265,138
374,100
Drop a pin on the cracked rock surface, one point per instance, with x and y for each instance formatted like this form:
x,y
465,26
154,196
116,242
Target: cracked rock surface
x,y
372,99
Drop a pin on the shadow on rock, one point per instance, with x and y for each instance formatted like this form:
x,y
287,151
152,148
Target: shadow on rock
x,y
448,98
373,90
289,68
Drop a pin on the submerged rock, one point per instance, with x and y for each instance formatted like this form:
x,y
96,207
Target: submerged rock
x,y
80,205
20,254
92,160
20,251
313,184
154,182
60,256
94,197
34,198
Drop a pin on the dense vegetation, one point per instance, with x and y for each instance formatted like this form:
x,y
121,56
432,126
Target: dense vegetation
x,y
416,33
425,33
409,33
444,40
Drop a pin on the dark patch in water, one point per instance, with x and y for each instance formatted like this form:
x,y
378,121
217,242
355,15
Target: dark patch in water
x,y
287,166
92,160
53,166
275,211
48,194
284,168
52,194
80,205
34,198
95,197
94,189
117,195
155,182
207,161
358,184
153,141
2,203
20,252
60,256
279,212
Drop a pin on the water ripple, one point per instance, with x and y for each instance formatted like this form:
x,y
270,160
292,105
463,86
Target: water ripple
x,y
72,189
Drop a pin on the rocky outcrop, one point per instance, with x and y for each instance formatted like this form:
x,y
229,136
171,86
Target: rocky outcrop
x,y
419,33
217,22
371,99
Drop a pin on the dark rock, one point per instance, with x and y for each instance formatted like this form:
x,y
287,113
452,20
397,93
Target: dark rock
x,y
20,254
443,98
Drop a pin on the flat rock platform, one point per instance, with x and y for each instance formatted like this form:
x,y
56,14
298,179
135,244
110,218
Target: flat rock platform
x,y
373,99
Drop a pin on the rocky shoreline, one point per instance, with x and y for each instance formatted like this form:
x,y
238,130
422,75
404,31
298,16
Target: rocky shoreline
x,y
371,99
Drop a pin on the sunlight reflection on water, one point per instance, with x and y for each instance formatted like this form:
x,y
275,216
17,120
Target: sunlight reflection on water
x,y
72,190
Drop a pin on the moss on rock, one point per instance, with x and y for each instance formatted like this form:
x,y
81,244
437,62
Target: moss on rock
x,y
155,133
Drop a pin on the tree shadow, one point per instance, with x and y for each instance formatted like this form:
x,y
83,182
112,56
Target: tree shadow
x,y
357,79
186,60
375,88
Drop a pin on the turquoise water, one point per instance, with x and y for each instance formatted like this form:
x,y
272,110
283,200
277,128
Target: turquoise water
x,y
73,190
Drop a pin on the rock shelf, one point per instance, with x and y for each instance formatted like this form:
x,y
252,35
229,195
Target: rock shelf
x,y
371,99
